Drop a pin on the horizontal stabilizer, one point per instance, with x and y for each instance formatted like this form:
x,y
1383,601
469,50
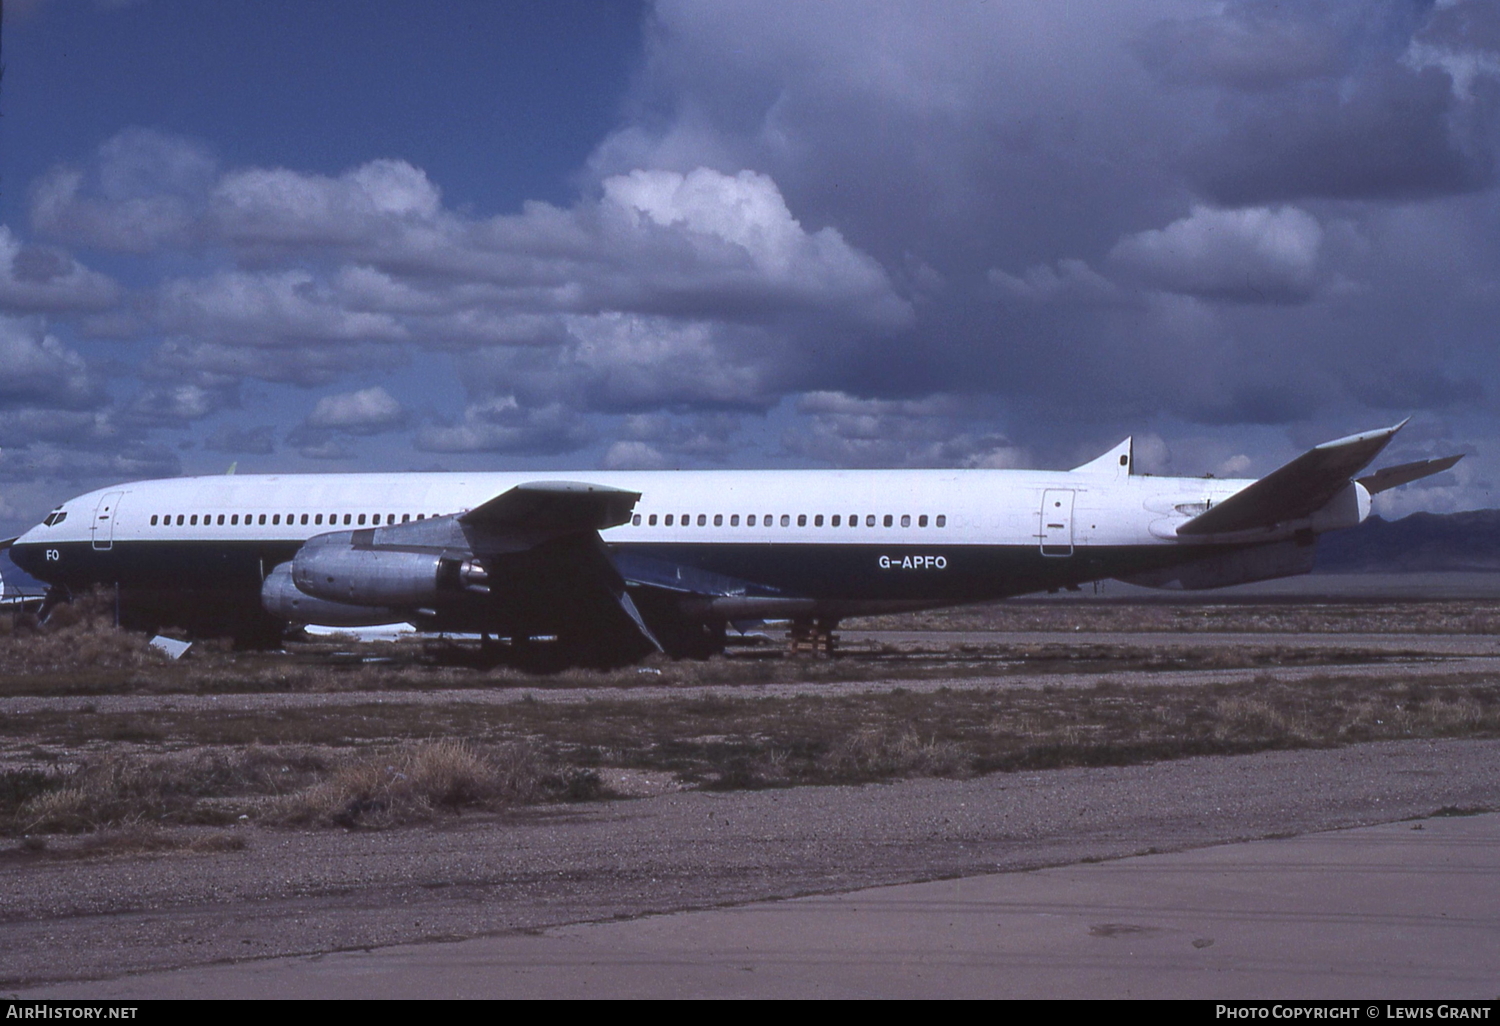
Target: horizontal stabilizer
x,y
1297,490
1390,477
554,507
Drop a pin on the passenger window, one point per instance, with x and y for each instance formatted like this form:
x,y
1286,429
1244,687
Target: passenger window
x,y
750,520
153,521
669,520
835,521
194,521
818,520
906,520
887,520
304,520
275,519
942,520
786,520
180,519
405,518
801,519
870,520
348,518
702,519
262,520
734,520
234,520
421,516
221,520
635,521
922,520
718,520
652,521
361,520
687,519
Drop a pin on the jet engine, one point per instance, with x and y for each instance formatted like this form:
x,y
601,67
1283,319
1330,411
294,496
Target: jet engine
x,y
335,568
282,599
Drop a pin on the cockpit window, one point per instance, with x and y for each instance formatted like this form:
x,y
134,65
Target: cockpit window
x,y
56,517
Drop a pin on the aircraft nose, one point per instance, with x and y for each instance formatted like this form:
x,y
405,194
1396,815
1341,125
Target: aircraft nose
x,y
26,554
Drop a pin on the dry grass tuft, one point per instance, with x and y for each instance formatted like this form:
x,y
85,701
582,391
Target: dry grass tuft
x,y
419,781
873,753
118,791
1242,718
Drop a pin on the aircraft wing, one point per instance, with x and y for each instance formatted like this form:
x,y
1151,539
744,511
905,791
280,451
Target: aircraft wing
x,y
1390,477
530,555
1298,489
554,507
7,543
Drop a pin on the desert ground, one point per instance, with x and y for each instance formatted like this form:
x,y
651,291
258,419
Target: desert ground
x,y
343,796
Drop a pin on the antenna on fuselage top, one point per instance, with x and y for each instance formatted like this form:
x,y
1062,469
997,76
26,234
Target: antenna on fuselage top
x,y
230,471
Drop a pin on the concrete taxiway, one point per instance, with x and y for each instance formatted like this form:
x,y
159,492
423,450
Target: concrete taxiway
x,y
1402,910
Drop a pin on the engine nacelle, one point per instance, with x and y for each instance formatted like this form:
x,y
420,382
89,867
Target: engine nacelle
x,y
1235,566
332,568
1348,508
281,597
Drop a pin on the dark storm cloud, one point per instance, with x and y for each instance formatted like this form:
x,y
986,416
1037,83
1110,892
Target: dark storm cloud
x,y
934,432
1138,192
1395,133
1332,100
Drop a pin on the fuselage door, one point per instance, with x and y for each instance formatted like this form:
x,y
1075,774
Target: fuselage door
x,y
1057,522
104,520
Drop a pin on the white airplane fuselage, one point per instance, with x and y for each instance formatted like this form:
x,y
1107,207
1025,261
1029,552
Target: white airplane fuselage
x,y
809,542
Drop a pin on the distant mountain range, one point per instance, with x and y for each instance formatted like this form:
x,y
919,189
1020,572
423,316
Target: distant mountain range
x,y
1420,543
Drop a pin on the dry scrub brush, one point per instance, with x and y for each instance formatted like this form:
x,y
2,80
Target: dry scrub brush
x,y
81,633
418,781
117,790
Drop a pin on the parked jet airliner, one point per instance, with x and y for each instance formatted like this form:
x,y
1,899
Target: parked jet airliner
x,y
626,563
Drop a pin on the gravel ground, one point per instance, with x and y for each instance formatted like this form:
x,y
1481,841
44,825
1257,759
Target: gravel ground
x,y
291,892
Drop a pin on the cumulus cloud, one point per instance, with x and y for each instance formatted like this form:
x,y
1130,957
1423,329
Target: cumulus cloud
x,y
146,190
1252,254
631,454
1249,255
175,405
366,412
36,369
1002,234
43,279
502,425
697,288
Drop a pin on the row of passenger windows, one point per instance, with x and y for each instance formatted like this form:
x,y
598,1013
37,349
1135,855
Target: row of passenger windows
x,y
769,520
275,519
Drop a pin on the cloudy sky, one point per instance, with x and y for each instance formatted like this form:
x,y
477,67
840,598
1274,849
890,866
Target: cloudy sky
x,y
603,234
